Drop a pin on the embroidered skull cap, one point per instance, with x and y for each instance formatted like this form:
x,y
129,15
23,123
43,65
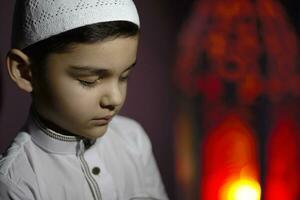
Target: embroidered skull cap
x,y
36,20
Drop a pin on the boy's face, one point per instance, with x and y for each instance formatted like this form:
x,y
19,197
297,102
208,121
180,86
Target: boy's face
x,y
85,87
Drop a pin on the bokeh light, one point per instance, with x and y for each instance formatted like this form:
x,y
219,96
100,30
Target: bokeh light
x,y
241,189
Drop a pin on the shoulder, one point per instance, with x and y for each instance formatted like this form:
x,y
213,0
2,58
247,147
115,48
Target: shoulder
x,y
15,164
15,169
15,154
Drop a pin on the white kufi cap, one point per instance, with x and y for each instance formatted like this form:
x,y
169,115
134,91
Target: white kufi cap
x,y
36,20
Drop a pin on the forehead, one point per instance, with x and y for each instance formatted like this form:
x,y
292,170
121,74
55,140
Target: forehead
x,y
111,54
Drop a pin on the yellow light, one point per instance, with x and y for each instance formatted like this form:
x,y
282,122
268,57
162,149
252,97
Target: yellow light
x,y
246,192
242,189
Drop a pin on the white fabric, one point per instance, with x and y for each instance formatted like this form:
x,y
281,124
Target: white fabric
x,y
40,167
36,20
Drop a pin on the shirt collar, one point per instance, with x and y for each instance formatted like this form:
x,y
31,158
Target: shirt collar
x,y
53,141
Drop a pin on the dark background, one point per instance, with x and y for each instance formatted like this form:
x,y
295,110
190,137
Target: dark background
x,y
151,98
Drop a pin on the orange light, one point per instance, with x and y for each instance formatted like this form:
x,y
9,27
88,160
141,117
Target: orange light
x,y
229,160
241,189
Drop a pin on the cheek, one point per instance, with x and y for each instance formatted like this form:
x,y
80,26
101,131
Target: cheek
x,y
123,89
71,96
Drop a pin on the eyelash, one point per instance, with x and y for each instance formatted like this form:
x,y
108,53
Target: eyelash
x,y
91,84
87,84
125,78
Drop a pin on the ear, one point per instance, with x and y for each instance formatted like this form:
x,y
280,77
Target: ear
x,y
18,65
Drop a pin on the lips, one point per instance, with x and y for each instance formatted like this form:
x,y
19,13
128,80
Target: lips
x,y
101,121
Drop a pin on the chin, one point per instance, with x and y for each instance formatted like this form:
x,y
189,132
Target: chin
x,y
96,133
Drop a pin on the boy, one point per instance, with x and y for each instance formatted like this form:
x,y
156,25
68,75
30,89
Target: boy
x,y
74,57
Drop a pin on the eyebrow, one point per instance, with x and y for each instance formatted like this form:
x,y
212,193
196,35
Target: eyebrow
x,y
91,70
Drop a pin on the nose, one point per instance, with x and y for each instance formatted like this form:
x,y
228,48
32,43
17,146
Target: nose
x,y
112,96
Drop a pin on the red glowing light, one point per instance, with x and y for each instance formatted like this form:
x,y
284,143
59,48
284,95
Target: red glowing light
x,y
237,50
229,153
283,175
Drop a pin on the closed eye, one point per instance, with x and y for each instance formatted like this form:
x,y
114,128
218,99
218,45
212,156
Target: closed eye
x,y
124,78
86,83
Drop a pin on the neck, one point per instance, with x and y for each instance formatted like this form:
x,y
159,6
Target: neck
x,y
50,125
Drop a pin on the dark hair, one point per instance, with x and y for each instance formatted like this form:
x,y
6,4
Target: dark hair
x,y
39,51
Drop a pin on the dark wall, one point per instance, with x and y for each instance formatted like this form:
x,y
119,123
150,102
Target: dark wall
x,y
293,10
14,103
149,101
